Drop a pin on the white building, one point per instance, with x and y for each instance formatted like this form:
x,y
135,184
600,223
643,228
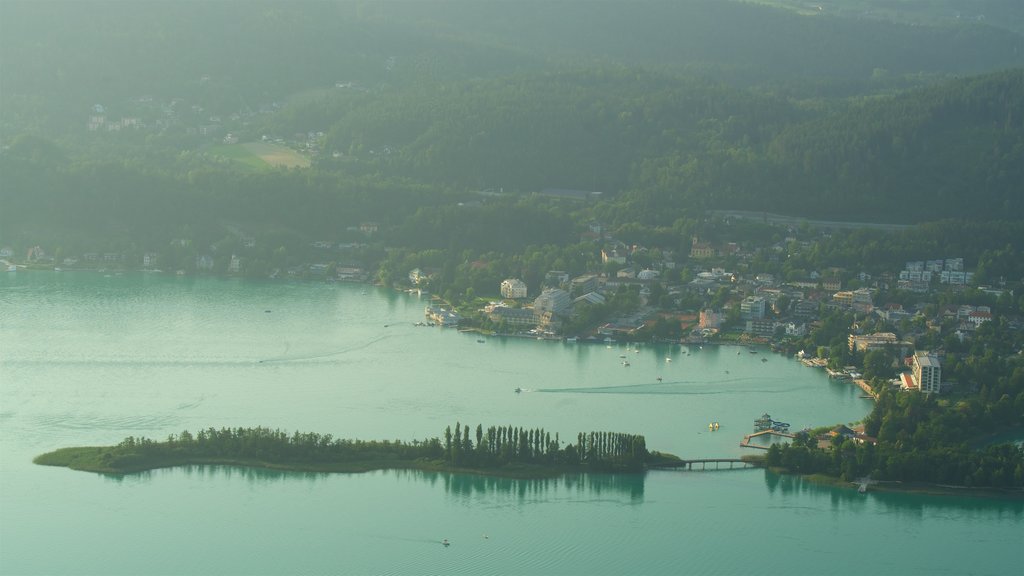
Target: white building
x,y
927,372
513,288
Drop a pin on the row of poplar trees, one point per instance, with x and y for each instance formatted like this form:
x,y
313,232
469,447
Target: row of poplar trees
x,y
500,445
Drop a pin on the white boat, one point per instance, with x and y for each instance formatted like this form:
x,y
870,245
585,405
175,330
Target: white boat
x,y
12,268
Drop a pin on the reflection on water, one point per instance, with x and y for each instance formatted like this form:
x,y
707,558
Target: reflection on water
x,y
593,485
903,503
252,475
461,485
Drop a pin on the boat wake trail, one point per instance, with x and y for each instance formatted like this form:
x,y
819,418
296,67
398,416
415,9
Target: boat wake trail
x,y
302,358
695,388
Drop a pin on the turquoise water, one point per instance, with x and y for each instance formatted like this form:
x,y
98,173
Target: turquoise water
x,y
88,359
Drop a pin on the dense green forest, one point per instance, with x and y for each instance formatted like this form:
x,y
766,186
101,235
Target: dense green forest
x,y
667,108
661,150
493,449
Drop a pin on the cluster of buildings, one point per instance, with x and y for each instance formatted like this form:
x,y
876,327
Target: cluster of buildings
x,y
918,275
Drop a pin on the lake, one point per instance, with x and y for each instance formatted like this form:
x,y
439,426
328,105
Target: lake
x,y
88,359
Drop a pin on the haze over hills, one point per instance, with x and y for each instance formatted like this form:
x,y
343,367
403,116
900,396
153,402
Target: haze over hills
x,y
668,108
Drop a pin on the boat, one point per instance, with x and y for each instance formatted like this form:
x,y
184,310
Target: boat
x,y
12,268
764,359
625,363
518,390
667,359
446,543
659,378
481,340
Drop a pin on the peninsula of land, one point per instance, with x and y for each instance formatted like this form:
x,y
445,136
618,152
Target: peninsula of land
x,y
497,451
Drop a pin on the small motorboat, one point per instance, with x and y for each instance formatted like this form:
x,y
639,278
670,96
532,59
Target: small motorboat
x,y
446,543
518,390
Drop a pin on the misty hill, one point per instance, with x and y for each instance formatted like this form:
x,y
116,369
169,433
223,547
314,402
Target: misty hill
x,y
668,108
726,39
951,150
1008,14
60,57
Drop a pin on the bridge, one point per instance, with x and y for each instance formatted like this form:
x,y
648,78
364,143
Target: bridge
x,y
718,462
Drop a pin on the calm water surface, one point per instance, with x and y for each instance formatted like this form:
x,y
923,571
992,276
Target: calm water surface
x,y
87,359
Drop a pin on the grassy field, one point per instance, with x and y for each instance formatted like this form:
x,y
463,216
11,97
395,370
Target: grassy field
x,y
276,155
260,155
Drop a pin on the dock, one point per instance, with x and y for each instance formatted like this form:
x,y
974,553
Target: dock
x,y
746,439
866,388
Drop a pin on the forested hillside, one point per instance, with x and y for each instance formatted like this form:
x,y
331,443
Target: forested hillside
x,y
115,115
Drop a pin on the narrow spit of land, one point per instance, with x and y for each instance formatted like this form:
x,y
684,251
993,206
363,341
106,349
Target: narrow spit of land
x,y
498,451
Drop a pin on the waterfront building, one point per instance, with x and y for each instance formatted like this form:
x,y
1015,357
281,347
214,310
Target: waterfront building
x,y
554,300
511,316
761,327
442,316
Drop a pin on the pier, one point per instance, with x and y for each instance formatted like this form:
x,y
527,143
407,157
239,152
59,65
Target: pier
x,y
863,384
746,439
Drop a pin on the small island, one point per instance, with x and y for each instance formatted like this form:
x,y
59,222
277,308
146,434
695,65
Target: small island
x,y
497,451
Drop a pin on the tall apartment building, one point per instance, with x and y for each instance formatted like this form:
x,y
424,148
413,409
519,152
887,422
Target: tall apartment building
x,y
927,372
